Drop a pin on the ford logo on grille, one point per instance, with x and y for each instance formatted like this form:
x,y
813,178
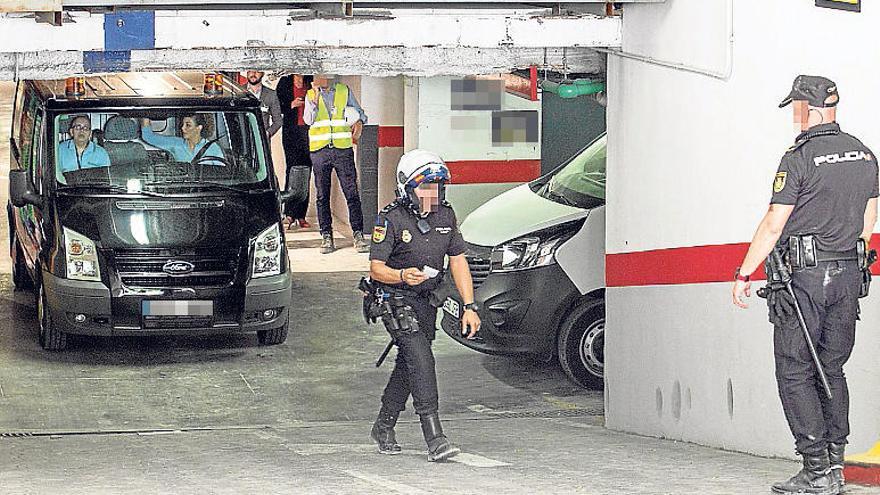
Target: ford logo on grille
x,y
175,267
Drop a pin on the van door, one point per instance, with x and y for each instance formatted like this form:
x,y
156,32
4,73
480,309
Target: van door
x,y
30,151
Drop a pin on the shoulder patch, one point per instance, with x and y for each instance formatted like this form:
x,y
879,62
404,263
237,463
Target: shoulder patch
x,y
779,181
379,232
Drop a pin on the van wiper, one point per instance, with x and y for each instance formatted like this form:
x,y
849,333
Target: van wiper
x,y
559,198
200,183
106,188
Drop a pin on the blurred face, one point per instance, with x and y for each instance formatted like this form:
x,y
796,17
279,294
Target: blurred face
x,y
800,114
320,81
81,131
190,129
254,77
298,80
429,196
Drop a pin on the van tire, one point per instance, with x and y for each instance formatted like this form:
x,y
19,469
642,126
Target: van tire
x,y
274,336
51,339
581,344
20,277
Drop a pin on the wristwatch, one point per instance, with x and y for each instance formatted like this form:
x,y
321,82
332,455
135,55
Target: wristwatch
x,y
741,277
473,306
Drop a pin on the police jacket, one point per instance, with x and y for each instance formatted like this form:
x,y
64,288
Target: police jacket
x,y
400,243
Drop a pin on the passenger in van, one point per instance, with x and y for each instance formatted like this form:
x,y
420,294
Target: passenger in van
x,y
79,151
186,148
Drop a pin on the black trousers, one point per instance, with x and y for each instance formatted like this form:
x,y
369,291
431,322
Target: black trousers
x,y
295,139
414,372
324,161
828,296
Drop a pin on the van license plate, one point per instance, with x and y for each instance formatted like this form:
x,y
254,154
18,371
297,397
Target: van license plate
x,y
178,308
452,307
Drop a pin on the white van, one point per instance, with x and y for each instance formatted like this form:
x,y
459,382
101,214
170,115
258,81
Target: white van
x,y
537,256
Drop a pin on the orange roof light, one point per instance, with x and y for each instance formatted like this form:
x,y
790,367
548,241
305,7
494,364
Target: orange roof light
x,y
75,86
213,84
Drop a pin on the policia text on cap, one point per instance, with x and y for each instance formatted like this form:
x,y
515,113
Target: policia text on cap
x,y
824,203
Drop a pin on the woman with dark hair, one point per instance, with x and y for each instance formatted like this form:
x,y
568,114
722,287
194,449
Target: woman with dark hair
x,y
193,127
291,90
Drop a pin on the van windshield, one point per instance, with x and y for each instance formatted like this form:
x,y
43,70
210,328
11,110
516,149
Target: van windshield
x,y
143,150
581,181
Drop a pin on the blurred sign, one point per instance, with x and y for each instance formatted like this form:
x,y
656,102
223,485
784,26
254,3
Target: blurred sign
x,y
851,5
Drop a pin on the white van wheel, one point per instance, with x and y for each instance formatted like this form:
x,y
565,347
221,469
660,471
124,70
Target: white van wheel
x,y
273,337
581,344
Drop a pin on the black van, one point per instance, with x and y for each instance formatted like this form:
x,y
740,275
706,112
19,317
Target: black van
x,y
145,204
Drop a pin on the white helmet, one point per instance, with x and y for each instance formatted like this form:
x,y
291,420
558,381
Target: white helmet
x,y
416,167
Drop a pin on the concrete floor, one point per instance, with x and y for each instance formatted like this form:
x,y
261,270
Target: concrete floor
x,y
223,415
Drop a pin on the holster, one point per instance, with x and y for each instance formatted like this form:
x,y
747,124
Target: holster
x,y
866,259
398,317
802,252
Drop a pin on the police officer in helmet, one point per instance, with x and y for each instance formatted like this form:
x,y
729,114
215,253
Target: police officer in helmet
x,y
824,201
411,238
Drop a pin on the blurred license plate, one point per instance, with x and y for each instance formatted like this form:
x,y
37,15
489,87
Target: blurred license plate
x,y
452,307
178,308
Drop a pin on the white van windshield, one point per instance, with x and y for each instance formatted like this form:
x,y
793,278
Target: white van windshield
x,y
580,182
158,149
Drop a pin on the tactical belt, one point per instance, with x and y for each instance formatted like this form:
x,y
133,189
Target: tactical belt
x,y
803,253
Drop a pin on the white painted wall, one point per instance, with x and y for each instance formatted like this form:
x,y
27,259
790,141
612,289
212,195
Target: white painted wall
x,y
690,162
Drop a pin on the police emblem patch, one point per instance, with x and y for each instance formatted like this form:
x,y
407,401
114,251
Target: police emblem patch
x,y
779,182
406,236
378,234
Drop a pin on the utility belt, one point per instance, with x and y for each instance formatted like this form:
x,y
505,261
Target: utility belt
x,y
382,302
802,253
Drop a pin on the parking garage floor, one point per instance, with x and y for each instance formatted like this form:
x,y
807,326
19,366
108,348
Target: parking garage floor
x,y
216,415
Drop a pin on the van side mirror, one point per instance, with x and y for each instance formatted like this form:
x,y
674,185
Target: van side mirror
x,y
297,185
21,190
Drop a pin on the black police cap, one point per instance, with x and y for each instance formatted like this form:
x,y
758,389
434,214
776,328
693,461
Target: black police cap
x,y
818,91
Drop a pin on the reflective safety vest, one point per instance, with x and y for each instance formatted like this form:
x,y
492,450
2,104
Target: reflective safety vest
x,y
328,129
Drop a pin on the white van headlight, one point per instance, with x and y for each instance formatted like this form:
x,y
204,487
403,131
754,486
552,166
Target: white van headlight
x,y
526,252
81,256
267,253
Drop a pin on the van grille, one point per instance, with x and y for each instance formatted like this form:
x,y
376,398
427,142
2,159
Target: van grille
x,y
143,267
479,260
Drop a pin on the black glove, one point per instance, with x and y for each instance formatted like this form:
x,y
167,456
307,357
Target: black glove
x,y
780,304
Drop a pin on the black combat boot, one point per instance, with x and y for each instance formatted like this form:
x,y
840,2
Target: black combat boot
x,y
814,478
439,448
383,433
835,458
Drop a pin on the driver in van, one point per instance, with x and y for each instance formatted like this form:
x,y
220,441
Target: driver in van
x,y
184,149
80,151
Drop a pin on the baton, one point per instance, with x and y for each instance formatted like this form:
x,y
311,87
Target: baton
x,y
384,354
777,259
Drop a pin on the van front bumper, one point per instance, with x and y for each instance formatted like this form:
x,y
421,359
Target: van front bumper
x,y
89,308
520,311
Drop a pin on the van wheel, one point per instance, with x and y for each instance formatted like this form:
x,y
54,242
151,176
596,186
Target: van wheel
x,y
274,336
51,338
20,277
581,344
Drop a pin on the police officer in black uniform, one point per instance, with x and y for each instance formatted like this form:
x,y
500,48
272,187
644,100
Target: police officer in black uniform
x,y
824,201
411,238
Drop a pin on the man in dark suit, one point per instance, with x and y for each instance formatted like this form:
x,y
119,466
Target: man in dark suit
x,y
291,90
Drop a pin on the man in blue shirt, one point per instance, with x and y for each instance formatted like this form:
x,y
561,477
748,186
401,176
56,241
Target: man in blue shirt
x,y
186,148
79,151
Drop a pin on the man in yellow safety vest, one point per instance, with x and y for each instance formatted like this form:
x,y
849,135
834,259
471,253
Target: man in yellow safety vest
x,y
331,136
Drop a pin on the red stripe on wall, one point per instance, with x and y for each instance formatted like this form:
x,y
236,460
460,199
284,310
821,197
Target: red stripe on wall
x,y
685,265
492,171
390,136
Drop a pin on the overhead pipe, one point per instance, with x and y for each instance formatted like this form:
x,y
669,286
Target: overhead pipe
x,y
579,87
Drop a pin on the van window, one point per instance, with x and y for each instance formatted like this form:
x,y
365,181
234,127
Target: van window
x,y
35,168
580,182
26,131
159,149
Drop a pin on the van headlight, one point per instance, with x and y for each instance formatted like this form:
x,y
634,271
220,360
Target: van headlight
x,y
526,252
81,256
534,250
267,253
